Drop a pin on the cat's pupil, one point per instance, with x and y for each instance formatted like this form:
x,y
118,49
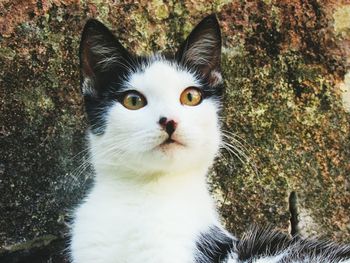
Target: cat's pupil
x,y
134,100
189,96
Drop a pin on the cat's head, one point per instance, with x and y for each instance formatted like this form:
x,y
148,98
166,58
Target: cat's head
x,y
152,115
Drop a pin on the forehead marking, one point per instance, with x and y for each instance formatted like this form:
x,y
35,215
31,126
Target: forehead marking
x,y
162,75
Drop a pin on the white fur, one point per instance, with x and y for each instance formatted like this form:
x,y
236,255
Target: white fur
x,y
273,259
149,203
233,258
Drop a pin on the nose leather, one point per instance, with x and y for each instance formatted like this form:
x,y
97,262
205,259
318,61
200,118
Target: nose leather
x,y
168,125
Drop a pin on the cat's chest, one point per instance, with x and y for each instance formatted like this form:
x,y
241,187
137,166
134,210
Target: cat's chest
x,y
142,227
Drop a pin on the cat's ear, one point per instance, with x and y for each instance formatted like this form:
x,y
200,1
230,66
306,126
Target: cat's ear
x,y
202,49
100,53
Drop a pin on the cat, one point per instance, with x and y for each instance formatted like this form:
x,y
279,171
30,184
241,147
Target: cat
x,y
154,133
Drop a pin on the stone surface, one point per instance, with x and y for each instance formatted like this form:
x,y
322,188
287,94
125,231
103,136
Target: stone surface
x,y
284,64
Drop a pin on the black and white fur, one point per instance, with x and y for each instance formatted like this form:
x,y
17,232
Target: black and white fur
x,y
150,201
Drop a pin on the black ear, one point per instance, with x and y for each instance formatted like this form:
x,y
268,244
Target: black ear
x,y
202,49
100,54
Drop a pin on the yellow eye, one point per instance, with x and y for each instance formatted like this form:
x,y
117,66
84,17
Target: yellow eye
x,y
191,96
134,100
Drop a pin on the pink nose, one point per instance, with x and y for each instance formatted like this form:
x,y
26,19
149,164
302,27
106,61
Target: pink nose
x,y
168,125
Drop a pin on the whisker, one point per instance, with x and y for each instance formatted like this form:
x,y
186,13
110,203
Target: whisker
x,y
232,144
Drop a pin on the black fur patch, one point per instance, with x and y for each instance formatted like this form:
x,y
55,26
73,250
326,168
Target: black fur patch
x,y
266,242
213,246
259,242
104,65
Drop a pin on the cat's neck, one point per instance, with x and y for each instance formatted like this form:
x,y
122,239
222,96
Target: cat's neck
x,y
185,193
185,182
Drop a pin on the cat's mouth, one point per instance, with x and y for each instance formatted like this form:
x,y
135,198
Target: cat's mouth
x,y
170,141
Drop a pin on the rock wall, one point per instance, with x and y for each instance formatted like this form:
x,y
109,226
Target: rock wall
x,y
286,111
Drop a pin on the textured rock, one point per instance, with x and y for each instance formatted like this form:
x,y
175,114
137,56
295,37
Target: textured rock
x,y
284,64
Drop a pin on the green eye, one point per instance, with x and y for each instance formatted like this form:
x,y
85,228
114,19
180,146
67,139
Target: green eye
x,y
134,100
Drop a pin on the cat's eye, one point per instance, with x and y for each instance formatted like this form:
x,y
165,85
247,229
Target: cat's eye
x,y
191,96
133,100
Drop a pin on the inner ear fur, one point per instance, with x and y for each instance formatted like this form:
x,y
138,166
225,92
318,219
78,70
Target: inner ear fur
x,y
202,49
100,52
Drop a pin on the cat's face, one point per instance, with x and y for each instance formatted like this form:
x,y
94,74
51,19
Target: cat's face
x,y
152,115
